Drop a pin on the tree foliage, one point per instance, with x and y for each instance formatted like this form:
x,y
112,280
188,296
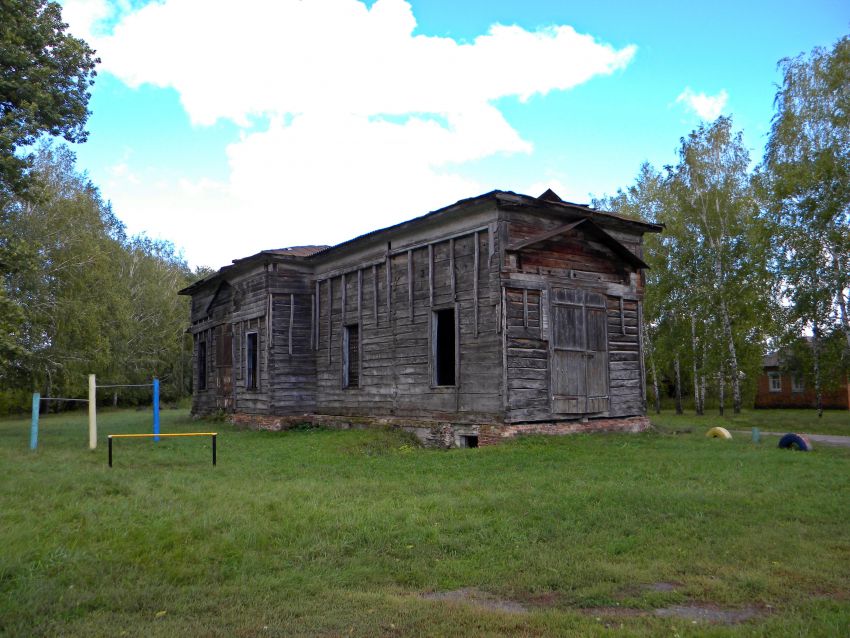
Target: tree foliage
x,y
709,293
804,182
83,297
45,75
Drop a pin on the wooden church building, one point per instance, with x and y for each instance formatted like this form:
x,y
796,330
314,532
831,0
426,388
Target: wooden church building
x,y
498,315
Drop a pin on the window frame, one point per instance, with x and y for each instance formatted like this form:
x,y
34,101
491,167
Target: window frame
x,y
798,385
346,357
774,382
434,346
203,370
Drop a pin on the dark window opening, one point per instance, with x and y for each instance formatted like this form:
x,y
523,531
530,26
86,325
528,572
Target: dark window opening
x,y
202,365
470,440
352,357
251,361
444,347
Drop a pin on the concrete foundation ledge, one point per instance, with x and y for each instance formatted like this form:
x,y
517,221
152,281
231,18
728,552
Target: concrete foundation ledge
x,y
443,434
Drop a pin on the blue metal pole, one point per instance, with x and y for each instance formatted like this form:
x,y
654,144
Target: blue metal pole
x,y
36,401
156,409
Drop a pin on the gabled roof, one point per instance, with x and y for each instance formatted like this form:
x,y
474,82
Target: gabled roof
x,y
292,252
587,226
508,200
295,251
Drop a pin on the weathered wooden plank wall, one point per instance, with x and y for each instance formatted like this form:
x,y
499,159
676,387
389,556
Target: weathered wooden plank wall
x,y
396,357
626,386
501,304
570,261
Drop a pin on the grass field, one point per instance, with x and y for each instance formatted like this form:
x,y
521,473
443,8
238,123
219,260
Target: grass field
x,y
337,533
802,421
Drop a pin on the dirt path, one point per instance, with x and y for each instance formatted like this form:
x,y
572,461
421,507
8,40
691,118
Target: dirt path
x,y
828,439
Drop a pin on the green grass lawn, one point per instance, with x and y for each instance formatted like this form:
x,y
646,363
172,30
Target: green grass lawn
x,y
800,421
337,533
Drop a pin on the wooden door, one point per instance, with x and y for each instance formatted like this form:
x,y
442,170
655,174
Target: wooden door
x,y
579,353
224,367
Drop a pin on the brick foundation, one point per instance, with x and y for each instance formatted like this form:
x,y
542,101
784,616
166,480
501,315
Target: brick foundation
x,y
441,434
492,434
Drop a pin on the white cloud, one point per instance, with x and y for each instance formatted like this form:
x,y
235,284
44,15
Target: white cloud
x,y
708,107
361,122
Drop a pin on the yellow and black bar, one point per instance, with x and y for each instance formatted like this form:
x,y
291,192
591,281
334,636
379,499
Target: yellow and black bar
x,y
147,436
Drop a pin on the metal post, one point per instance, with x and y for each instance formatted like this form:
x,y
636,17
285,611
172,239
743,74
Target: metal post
x,y
156,409
92,412
756,435
36,401
110,450
213,438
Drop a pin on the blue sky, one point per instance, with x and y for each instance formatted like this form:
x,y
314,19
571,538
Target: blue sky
x,y
232,127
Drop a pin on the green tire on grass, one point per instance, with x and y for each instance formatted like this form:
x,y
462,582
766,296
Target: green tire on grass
x,y
718,433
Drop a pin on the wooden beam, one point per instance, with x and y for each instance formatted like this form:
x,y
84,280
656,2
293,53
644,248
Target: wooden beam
x,y
410,282
330,316
375,292
343,295
475,265
291,319
269,326
641,346
549,234
312,321
430,274
359,302
318,317
389,288
452,268
525,307
622,317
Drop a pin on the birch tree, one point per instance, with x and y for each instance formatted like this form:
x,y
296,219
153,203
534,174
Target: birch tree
x,y
805,184
726,245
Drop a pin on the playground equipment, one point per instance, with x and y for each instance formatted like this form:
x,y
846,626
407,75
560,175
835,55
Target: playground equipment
x,y
92,401
792,441
180,434
718,433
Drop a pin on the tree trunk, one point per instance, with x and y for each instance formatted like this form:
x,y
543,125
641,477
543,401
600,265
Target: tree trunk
x,y
115,398
816,357
703,382
678,385
48,390
648,352
845,321
733,359
721,387
695,353
655,392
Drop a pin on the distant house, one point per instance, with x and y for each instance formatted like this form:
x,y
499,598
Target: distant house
x,y
496,315
780,388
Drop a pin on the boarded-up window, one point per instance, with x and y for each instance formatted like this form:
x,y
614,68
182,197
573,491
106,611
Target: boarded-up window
x,y
224,346
351,353
202,365
224,366
579,374
444,346
251,361
522,308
